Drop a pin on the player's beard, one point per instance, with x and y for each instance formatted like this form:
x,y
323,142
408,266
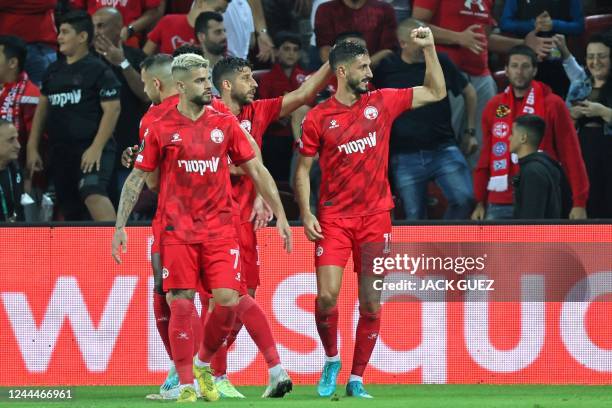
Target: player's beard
x,y
242,99
357,85
202,100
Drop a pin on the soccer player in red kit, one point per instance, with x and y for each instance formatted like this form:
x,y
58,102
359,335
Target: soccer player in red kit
x,y
190,145
233,78
350,132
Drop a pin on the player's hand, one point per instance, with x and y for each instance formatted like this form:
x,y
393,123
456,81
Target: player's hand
x,y
576,112
119,241
91,159
473,39
479,212
262,214
284,230
127,157
312,229
422,36
578,213
34,162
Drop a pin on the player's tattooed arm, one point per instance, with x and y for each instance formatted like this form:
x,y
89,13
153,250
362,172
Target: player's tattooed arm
x,y
307,91
129,196
434,85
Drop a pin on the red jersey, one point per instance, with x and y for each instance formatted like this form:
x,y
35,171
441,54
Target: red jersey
x,y
130,9
255,119
31,20
457,15
375,20
155,112
276,83
195,199
353,147
172,31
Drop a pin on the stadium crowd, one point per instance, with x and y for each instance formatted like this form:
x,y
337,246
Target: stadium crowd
x,y
72,97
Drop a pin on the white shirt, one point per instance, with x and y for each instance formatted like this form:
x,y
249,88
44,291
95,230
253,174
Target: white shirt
x,y
239,24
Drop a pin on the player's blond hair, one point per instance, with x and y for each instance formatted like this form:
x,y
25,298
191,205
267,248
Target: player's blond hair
x,y
187,62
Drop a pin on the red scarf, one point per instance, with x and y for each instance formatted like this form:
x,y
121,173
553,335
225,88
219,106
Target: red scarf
x,y
501,159
10,100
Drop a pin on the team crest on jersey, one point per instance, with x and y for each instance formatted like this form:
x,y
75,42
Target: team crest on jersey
x,y
370,112
246,125
165,273
216,135
502,111
319,250
500,129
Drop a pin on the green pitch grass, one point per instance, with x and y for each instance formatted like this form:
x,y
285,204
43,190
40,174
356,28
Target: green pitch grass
x,y
396,396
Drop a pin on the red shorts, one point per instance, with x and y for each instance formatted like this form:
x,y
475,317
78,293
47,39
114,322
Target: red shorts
x,y
343,235
215,263
249,255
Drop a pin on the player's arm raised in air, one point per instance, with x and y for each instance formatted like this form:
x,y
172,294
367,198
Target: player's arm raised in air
x,y
434,86
307,91
265,185
129,196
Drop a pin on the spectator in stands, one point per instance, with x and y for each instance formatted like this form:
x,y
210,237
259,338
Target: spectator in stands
x,y
285,76
78,108
125,63
547,18
210,33
374,19
245,22
33,21
18,95
537,189
139,16
402,9
590,104
314,58
463,30
11,180
174,30
492,189
423,144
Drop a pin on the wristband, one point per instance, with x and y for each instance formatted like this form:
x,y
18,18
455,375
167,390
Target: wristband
x,y
125,64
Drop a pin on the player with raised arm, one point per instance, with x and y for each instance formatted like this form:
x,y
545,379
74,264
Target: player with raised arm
x,y
190,145
350,132
233,77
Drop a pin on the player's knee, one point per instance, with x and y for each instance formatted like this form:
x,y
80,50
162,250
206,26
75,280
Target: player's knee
x,y
180,294
225,297
370,307
327,300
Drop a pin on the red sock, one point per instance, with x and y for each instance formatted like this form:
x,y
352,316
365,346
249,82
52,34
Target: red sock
x,y
218,326
219,360
365,340
161,311
327,326
256,323
182,338
198,332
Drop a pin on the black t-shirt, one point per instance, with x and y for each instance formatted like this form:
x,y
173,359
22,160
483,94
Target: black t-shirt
x,y
11,189
132,108
75,92
428,127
